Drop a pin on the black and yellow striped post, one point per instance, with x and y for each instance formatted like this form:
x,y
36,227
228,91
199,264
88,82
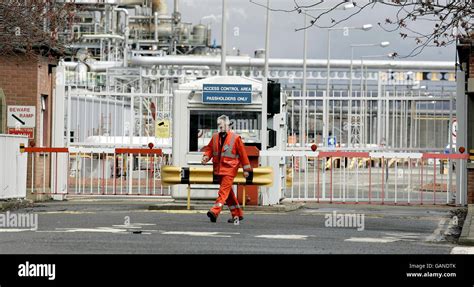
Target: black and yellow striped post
x,y
170,175
261,176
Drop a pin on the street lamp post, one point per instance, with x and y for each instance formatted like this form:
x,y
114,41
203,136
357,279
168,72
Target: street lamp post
x,y
365,27
303,92
349,120
265,81
224,39
304,88
379,97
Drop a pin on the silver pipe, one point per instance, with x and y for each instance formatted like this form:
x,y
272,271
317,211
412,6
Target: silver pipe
x,y
102,36
165,17
265,82
156,26
99,66
326,95
126,35
224,40
244,61
303,106
176,6
140,17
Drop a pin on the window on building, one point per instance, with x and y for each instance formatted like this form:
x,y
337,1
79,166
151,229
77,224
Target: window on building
x,y
204,123
44,122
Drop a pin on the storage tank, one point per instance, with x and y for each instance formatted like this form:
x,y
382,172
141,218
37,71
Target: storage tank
x,y
164,30
183,32
199,34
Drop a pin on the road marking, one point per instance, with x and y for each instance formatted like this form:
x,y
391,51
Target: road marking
x,y
66,212
462,250
438,234
127,226
15,229
133,225
200,234
372,240
405,236
284,236
97,229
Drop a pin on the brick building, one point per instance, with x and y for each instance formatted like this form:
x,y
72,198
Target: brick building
x,y
29,82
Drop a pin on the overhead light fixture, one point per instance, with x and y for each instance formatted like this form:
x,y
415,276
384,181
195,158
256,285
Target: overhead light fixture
x,y
349,6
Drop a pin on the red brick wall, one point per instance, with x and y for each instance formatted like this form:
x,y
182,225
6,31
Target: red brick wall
x,y
471,66
470,185
18,79
470,171
23,82
45,88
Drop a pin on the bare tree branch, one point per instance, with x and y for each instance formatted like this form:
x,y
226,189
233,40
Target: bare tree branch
x,y
32,26
450,20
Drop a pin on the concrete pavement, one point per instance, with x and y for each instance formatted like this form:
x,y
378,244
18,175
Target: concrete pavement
x,y
129,227
467,235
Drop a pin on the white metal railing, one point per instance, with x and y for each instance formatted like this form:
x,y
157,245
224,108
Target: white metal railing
x,y
372,177
99,171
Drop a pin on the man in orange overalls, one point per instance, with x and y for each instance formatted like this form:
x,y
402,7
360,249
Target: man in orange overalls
x,y
227,152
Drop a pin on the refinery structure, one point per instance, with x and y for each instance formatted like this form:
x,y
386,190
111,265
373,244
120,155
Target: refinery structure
x,y
136,53
134,76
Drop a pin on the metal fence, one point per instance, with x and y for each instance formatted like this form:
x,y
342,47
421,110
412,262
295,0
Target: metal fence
x,y
395,120
372,177
92,171
101,117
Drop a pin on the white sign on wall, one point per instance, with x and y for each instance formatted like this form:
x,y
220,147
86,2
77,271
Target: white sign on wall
x,y
21,117
454,130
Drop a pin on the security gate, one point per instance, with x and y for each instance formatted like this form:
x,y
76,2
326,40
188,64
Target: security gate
x,y
89,171
131,107
397,121
372,177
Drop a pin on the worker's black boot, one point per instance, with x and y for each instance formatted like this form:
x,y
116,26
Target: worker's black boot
x,y
212,216
234,220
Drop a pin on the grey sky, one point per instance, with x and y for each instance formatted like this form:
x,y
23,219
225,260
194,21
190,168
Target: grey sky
x,y
248,20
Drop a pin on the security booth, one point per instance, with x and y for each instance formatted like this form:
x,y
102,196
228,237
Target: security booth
x,y
197,105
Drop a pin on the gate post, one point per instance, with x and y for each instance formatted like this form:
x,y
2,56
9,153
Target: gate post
x,y
59,168
461,115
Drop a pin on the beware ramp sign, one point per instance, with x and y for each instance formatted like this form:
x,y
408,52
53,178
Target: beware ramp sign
x,y
21,117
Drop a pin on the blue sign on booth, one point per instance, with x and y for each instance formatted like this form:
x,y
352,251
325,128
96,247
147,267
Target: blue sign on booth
x,y
332,142
226,94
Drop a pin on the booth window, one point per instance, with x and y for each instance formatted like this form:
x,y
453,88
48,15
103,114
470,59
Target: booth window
x,y
44,121
203,124
3,112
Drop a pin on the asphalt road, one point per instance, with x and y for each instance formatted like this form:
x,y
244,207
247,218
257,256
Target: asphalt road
x,y
129,228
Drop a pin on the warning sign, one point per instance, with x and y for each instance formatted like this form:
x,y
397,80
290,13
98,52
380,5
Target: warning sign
x,y
454,130
21,117
29,132
162,129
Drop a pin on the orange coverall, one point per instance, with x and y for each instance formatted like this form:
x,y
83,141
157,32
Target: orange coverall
x,y
226,163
